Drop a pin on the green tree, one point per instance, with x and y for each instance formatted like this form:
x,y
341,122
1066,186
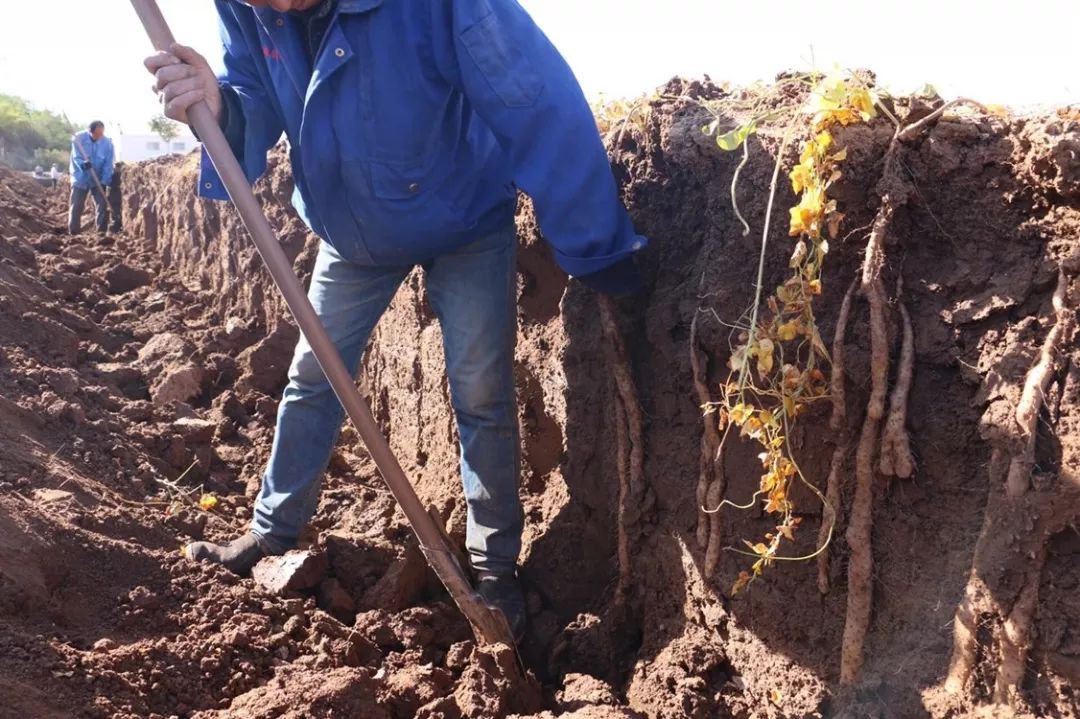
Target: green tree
x,y
164,128
28,136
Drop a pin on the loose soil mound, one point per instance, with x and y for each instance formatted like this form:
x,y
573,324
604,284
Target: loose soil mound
x,y
138,372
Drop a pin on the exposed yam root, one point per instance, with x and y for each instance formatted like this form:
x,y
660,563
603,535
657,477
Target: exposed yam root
x,y
715,546
1008,615
632,489
710,437
977,602
1015,639
861,561
874,292
623,540
839,370
896,459
711,481
895,191
830,515
915,128
1035,385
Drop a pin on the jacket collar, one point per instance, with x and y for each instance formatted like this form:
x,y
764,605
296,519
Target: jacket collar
x,y
358,6
268,14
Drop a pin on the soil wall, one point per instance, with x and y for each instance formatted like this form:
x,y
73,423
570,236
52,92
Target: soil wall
x,y
193,332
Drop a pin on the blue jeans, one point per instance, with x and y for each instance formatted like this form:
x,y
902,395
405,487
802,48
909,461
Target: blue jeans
x,y
78,204
473,292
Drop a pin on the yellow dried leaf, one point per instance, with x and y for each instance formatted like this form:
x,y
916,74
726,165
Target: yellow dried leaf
x,y
788,331
752,427
740,413
207,502
774,505
740,583
816,343
764,357
801,178
797,224
798,255
738,359
863,101
834,224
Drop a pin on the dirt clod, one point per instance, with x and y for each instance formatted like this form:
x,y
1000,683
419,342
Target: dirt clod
x,y
294,571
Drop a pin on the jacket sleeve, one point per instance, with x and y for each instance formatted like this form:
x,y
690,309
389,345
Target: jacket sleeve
x,y
526,93
79,176
250,119
107,160
76,157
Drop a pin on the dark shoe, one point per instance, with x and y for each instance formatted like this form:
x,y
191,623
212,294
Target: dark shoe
x,y
503,592
238,556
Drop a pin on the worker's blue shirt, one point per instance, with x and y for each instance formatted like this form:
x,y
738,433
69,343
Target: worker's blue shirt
x,y
414,122
100,154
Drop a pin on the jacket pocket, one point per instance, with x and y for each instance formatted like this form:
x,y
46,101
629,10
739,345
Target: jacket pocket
x,y
394,181
405,198
510,74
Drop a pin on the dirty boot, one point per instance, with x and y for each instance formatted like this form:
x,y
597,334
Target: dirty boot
x,y
238,556
503,592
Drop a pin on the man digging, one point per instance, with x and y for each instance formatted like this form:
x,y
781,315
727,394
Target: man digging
x,y
411,126
92,157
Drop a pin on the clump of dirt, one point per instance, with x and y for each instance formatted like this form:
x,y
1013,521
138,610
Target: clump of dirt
x,y
139,372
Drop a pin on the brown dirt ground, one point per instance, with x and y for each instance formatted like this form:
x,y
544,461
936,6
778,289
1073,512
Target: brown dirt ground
x,y
124,360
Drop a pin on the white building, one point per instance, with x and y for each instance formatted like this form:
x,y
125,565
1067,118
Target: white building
x,y
135,148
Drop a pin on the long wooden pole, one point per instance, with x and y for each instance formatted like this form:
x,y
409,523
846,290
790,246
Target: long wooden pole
x,y
489,625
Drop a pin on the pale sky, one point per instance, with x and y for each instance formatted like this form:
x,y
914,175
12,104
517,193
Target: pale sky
x,y
84,57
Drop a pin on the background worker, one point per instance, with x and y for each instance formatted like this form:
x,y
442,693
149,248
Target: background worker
x,y
91,172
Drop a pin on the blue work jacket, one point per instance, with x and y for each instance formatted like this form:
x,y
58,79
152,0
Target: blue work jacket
x,y
415,124
100,154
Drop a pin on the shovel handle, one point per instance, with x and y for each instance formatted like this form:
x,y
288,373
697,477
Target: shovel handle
x,y
341,379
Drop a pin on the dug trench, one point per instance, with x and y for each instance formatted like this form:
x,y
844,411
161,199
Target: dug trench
x,y
141,371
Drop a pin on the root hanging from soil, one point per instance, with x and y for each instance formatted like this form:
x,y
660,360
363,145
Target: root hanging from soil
x,y
711,480
622,540
895,190
987,604
861,560
1015,637
831,511
710,437
1035,386
896,459
632,490
976,602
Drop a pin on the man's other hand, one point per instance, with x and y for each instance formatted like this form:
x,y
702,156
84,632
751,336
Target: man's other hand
x,y
622,278
184,77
